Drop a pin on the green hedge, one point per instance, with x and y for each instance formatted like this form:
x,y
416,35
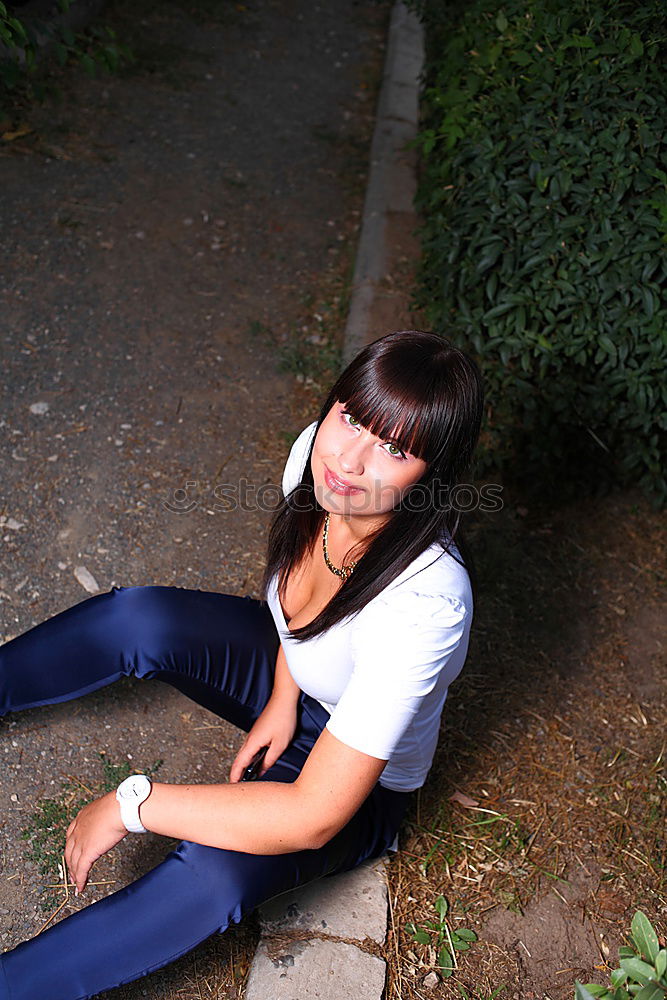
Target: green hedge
x,y
544,195
25,38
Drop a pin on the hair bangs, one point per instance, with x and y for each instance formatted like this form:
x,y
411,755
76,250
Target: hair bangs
x,y
401,414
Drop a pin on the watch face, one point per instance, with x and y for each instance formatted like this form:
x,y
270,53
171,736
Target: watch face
x,y
135,787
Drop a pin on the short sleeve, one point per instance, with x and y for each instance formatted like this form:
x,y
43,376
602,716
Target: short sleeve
x,y
296,460
403,644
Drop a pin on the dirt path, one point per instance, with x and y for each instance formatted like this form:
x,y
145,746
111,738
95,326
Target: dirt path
x,y
163,233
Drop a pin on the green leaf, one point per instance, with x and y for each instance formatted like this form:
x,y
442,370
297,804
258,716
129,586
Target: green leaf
x,y
644,935
498,310
441,907
661,962
649,306
446,962
582,42
521,58
582,993
501,23
466,934
638,969
88,64
652,991
596,990
618,977
18,29
636,45
608,345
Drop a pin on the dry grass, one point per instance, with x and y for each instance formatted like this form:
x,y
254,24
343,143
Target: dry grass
x,y
557,733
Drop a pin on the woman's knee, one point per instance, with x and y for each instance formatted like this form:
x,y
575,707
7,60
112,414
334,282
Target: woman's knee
x,y
200,641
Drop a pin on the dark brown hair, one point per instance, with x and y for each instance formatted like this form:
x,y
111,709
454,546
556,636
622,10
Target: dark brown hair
x,y
418,389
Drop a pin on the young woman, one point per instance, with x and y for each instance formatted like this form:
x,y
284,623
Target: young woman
x,y
342,674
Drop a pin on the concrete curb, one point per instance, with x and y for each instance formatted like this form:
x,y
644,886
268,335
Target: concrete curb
x,y
380,294
353,906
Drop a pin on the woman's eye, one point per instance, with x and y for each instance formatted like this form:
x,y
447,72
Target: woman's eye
x,y
352,421
394,450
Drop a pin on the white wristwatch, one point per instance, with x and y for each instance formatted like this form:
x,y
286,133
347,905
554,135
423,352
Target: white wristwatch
x,y
130,794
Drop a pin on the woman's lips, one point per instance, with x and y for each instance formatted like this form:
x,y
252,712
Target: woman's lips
x,y
339,486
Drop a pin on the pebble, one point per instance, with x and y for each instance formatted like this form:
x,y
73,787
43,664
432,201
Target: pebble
x,y
86,579
10,522
431,980
39,408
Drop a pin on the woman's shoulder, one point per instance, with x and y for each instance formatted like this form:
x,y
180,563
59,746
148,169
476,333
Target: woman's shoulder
x,y
435,584
438,569
425,613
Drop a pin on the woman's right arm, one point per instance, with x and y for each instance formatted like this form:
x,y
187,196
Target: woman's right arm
x,y
275,726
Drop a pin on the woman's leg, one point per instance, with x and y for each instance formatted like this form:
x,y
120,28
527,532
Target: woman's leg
x,y
219,650
195,892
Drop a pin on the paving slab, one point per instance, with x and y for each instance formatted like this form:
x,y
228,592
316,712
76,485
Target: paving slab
x,y
351,905
315,970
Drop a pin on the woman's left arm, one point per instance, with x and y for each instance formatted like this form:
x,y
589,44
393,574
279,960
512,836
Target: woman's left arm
x,y
259,817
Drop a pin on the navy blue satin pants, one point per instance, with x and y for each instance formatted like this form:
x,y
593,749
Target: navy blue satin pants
x,y
220,651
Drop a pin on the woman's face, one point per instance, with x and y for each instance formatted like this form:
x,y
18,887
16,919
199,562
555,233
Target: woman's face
x,y
357,474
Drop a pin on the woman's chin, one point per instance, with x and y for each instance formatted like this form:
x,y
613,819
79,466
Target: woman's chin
x,y
342,504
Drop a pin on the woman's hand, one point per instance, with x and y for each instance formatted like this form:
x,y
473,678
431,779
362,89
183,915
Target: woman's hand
x,y
94,831
274,729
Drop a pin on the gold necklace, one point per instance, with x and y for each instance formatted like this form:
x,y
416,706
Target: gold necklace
x,y
345,571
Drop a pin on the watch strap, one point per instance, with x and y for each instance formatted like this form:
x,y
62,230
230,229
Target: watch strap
x,y
130,799
129,814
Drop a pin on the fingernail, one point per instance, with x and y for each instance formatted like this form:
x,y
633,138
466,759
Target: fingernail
x,y
76,890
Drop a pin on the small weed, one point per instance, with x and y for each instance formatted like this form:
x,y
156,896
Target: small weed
x,y
642,971
313,358
52,816
445,939
510,900
470,996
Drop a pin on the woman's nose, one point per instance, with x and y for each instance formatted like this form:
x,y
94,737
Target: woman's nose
x,y
351,458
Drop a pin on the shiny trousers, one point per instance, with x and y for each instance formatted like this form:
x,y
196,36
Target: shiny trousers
x,y
220,651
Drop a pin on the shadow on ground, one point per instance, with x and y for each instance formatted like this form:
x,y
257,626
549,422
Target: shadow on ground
x,y
553,741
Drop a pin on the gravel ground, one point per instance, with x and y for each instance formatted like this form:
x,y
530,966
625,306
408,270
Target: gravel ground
x,y
154,224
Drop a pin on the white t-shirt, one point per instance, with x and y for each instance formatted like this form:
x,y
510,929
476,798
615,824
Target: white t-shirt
x,y
383,674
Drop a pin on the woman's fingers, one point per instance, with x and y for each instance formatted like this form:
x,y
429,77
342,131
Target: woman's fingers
x,y
248,751
72,856
78,866
273,753
242,760
79,869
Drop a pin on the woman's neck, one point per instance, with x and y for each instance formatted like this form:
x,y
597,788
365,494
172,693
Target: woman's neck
x,y
355,529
